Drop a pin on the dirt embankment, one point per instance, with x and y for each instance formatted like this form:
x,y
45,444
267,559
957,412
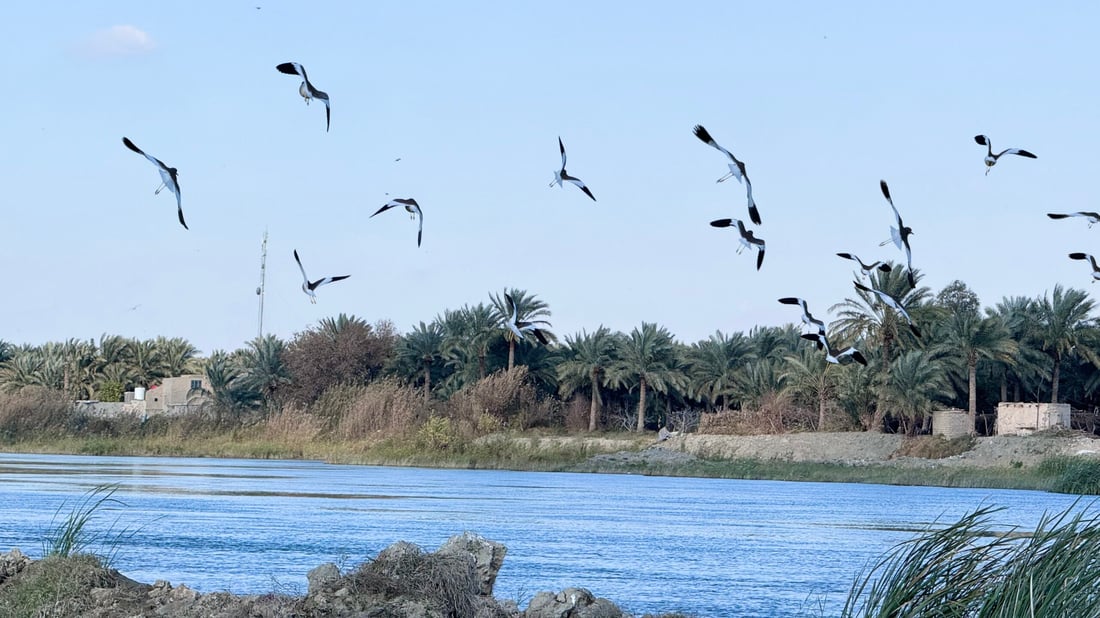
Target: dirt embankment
x,y
858,448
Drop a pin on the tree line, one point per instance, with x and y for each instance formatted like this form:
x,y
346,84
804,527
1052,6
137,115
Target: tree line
x,y
1021,349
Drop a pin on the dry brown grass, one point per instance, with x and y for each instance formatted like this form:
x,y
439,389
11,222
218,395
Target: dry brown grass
x,y
934,447
33,410
775,414
448,581
292,426
505,395
386,406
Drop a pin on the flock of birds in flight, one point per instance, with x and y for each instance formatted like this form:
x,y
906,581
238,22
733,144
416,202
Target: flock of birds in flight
x,y
899,233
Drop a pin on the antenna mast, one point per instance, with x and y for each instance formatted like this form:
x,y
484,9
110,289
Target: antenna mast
x,y
260,290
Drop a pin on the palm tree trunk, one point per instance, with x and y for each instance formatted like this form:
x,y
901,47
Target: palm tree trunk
x,y
972,386
641,405
427,380
594,407
481,364
1055,375
821,401
1004,385
511,354
880,406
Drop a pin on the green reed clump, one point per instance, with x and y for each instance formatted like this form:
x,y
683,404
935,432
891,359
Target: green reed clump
x,y
967,570
75,536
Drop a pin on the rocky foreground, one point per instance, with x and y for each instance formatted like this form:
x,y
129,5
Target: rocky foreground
x,y
402,581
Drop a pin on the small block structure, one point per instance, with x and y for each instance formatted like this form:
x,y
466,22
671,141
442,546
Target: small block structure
x,y
1021,419
951,424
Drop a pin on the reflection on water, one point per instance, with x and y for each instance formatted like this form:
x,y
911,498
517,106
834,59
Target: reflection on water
x,y
651,544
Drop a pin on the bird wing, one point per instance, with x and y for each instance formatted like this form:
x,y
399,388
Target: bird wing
x,y
300,267
723,223
1017,151
155,161
705,137
760,255
515,310
420,228
388,205
754,214
577,181
561,146
328,110
293,68
327,280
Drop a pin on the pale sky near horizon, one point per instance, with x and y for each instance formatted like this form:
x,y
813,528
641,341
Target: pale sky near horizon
x,y
820,101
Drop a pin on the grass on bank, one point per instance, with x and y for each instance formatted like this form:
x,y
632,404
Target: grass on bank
x,y
968,569
386,423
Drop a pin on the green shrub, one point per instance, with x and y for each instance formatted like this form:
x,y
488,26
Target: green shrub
x,y
110,390
1080,476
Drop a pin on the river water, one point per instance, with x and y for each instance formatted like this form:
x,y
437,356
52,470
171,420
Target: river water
x,y
715,548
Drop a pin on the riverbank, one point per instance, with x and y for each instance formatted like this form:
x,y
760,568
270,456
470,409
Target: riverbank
x,y
1039,461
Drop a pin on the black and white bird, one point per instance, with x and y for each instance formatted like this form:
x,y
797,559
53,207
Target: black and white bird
x,y
807,318
310,287
837,357
306,89
1091,260
748,239
562,176
737,170
991,159
168,178
1092,217
866,269
519,327
412,207
891,302
900,234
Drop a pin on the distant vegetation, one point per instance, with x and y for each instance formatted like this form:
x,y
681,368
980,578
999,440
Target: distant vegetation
x,y
346,377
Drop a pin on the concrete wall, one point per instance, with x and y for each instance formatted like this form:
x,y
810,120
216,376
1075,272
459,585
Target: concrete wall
x,y
174,394
1020,419
109,409
951,423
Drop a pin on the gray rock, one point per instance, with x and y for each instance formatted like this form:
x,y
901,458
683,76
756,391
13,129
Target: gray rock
x,y
571,603
488,557
322,575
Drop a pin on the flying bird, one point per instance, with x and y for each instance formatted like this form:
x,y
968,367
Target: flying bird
x,y
519,327
991,159
1092,217
748,240
900,234
561,175
1092,261
412,207
168,178
807,318
891,302
310,287
737,170
837,357
306,89
866,269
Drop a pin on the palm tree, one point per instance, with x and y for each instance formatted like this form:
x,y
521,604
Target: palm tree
x,y
176,355
528,309
713,364
917,380
468,333
1065,328
264,369
587,359
648,355
1020,316
145,362
229,388
865,318
807,377
973,338
423,346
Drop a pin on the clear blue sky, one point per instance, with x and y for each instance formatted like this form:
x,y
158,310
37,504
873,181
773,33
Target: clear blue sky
x,y
820,100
